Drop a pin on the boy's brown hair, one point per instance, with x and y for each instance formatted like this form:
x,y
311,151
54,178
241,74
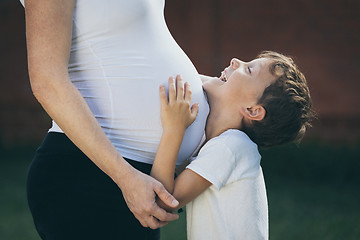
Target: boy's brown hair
x,y
287,103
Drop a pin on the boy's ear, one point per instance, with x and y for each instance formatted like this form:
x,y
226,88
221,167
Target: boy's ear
x,y
256,112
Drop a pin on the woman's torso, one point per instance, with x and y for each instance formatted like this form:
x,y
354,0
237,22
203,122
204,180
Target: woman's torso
x,y
121,52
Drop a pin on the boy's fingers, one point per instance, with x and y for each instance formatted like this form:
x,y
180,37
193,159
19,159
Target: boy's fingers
x,y
188,92
194,111
179,87
172,89
163,97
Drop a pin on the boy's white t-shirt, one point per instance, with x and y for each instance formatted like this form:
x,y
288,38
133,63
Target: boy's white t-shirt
x,y
235,206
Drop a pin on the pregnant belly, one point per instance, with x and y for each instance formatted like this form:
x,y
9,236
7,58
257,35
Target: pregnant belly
x,y
126,102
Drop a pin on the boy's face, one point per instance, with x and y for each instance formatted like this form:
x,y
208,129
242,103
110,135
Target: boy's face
x,y
240,83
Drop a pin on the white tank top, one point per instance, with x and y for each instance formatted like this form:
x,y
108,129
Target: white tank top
x,y
121,52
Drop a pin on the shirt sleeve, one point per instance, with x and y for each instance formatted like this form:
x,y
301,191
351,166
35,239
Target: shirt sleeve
x,y
215,163
227,159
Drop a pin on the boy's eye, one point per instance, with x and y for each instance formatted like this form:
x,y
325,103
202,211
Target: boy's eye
x,y
249,69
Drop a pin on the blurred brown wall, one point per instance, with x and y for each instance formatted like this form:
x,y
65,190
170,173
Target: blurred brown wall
x,y
323,36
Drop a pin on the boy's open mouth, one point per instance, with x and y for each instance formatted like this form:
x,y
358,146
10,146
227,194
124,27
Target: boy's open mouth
x,y
223,76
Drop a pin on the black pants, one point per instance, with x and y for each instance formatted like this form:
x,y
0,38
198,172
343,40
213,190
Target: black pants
x,y
71,198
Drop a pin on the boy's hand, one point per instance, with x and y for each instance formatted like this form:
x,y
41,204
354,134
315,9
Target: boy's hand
x,y
177,112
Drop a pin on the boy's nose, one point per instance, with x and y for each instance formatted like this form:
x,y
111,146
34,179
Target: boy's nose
x,y
235,63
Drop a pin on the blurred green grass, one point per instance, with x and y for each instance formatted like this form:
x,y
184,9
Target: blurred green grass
x,y
313,193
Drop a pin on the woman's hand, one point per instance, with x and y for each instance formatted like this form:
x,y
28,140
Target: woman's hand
x,y
140,191
176,113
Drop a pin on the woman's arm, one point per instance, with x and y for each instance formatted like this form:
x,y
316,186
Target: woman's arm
x,y
176,116
48,31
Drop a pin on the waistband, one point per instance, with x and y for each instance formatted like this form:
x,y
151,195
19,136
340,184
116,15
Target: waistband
x,y
59,143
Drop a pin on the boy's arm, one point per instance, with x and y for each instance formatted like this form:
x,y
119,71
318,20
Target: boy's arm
x,y
188,185
176,116
163,168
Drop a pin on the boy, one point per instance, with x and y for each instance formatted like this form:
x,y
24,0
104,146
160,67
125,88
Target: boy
x,y
265,102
